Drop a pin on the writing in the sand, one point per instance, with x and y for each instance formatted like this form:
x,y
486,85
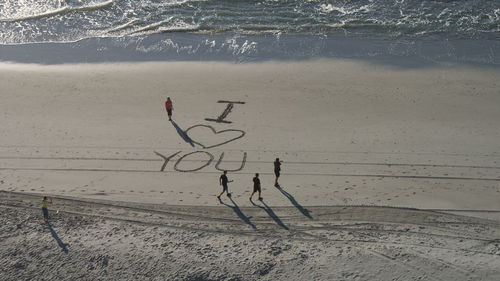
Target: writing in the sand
x,y
204,163
221,118
208,157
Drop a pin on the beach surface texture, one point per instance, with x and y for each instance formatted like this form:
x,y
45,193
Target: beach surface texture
x,y
388,173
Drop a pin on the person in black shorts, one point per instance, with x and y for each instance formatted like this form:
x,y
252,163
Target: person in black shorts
x,y
223,181
256,186
277,170
45,208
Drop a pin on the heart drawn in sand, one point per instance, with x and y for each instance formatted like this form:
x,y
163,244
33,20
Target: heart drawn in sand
x,y
240,132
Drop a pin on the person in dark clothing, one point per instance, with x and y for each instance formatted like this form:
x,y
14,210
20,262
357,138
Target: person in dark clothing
x,y
169,107
223,181
277,170
45,208
256,187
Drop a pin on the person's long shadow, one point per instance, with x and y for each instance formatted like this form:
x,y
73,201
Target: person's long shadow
x,y
238,212
271,213
303,210
58,240
182,133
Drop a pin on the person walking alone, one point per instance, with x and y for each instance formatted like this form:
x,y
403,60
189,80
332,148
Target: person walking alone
x,y
277,170
223,181
256,187
169,107
45,205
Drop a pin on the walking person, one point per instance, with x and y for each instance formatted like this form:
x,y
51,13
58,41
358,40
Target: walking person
x,y
169,107
45,205
256,187
277,170
223,181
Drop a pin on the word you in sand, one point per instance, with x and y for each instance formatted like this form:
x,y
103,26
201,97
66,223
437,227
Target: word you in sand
x,y
205,163
210,157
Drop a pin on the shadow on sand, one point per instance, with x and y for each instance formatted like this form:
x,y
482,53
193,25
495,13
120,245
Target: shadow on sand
x,y
58,240
182,133
238,212
303,210
271,213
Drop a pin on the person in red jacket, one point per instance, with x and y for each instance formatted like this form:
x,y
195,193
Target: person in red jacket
x,y
169,107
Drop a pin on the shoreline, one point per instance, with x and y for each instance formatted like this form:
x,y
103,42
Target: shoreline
x,y
178,47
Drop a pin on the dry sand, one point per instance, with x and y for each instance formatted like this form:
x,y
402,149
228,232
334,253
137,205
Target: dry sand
x,y
96,240
357,141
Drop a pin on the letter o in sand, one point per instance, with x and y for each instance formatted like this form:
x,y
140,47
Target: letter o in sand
x,y
211,158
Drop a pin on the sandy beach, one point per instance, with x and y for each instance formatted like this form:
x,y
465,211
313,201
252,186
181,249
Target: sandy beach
x,y
389,173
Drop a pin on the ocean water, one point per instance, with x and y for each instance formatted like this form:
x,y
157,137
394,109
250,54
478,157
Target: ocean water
x,y
247,30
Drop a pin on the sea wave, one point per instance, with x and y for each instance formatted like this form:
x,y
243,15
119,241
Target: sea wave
x,y
42,21
329,8
60,11
169,25
126,25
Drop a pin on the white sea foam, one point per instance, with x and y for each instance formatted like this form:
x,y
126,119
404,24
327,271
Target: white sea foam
x,y
124,26
167,25
151,26
63,10
168,44
328,8
36,16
